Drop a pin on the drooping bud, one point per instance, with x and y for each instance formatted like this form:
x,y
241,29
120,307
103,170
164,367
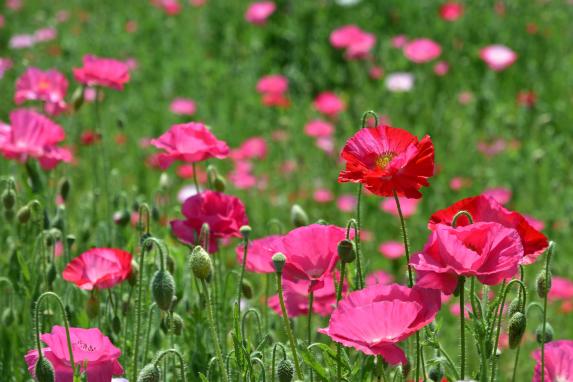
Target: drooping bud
x,y
23,215
64,188
70,240
549,333
247,289
298,216
8,198
92,306
346,251
543,283
514,307
44,370
164,181
200,263
177,324
219,183
51,274
436,372
279,261
285,370
163,289
245,231
121,217
517,325
149,373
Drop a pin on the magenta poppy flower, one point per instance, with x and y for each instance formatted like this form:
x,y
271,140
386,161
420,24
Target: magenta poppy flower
x,y
93,352
183,106
328,104
392,249
356,322
49,86
259,12
224,214
251,148
558,362
561,289
354,40
422,50
318,128
322,195
500,194
242,177
409,206
451,11
486,209
346,203
98,268
170,7
441,68
105,72
272,84
33,135
260,253
399,41
311,253
498,57
189,142
488,251
45,34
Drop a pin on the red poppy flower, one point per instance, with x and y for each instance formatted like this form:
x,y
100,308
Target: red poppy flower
x,y
224,213
485,209
98,268
102,72
387,159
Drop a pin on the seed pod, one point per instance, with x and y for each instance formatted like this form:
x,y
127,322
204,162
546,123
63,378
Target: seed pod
x,y
543,283
549,333
247,289
163,289
346,251
436,372
279,261
149,373
9,198
200,263
219,183
23,215
92,307
116,324
285,370
44,370
298,216
517,325
8,316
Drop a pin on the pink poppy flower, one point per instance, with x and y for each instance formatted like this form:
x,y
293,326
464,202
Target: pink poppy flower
x,y
561,289
457,183
346,203
465,97
98,268
32,135
490,149
422,50
224,214
376,72
170,7
379,278
328,104
311,253
21,41
399,41
322,195
392,249
45,34
5,65
498,57
558,362
259,12
93,352
354,40
356,322
241,177
251,148
318,128
489,251
399,82
49,86
183,106
499,194
260,253
272,84
326,144
408,206
441,68
105,72
451,11
189,142
2,21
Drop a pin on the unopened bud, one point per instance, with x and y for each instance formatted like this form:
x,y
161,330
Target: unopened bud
x,y
70,239
64,188
549,333
200,263
514,307
517,325
51,274
116,324
219,183
245,231
132,279
9,198
279,261
23,215
163,289
346,251
177,324
247,289
436,372
121,218
285,370
543,283
44,370
78,98
298,216
149,373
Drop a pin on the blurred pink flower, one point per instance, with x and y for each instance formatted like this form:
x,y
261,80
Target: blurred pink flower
x,y
498,57
376,72
392,249
465,97
260,253
354,40
5,65
326,144
251,148
105,72
14,5
457,183
558,362
422,50
379,277
183,106
500,194
318,128
399,41
490,149
322,195
45,34
241,177
49,86
170,7
20,41
288,166
346,203
408,206
274,84
561,289
451,11
441,68
399,82
257,13
328,104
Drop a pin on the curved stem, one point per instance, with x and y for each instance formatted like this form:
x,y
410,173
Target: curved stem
x,y
179,358
278,344
547,264
214,331
515,364
148,332
287,326
450,361
461,283
460,213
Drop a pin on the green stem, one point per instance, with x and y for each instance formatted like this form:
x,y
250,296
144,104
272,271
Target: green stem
x,y
547,264
515,363
309,324
242,274
179,358
450,361
338,345
461,283
287,326
214,331
195,181
359,274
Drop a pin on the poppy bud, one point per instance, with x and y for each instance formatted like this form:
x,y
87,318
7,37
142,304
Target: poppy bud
x,y
247,289
177,324
92,306
78,98
8,317
51,274
116,324
436,372
64,188
44,370
543,283
132,279
279,261
164,181
298,217
548,333
149,373
23,215
163,289
245,231
514,307
285,370
517,324
121,218
9,198
201,264
70,240
155,214
219,183
346,251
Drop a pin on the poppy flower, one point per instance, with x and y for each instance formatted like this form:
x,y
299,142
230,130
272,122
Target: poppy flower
x,y
251,148
93,352
318,128
5,65
379,277
33,135
558,362
273,84
408,206
328,104
441,68
257,13
488,251
486,209
498,57
355,41
500,194
346,203
260,253
451,11
189,142
183,106
392,249
242,177
224,214
170,7
49,86
387,160
105,72
356,322
312,253
322,195
422,50
98,268
399,82
561,289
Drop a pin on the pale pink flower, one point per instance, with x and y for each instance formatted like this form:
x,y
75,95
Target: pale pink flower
x,y
322,195
392,249
441,68
318,128
399,41
183,106
498,57
422,50
346,203
20,41
499,194
45,34
5,65
355,41
399,82
408,206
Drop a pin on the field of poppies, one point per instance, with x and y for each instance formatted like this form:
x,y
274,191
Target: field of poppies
x,y
287,190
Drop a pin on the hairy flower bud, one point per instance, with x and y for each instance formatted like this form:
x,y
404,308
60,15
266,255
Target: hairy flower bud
x,y
44,370
279,261
285,370
163,289
298,216
514,307
51,274
245,231
436,372
177,324
346,251
543,283
549,333
9,198
23,215
517,325
149,373
201,263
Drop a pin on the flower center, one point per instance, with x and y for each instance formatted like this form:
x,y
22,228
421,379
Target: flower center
x,y
85,347
43,85
384,160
